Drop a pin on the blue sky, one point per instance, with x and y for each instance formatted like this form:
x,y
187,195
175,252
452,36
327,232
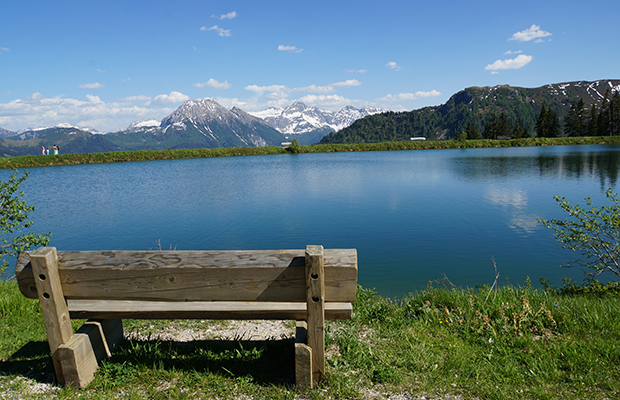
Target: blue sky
x,y
105,64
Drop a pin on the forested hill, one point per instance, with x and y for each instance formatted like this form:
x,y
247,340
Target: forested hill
x,y
479,105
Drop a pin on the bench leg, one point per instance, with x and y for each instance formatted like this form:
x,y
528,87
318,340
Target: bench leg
x,y
303,357
93,342
315,283
44,261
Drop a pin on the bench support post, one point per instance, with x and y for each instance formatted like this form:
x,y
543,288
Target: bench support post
x,y
91,344
316,309
303,357
44,262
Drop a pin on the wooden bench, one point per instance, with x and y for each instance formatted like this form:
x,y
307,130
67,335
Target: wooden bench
x,y
107,286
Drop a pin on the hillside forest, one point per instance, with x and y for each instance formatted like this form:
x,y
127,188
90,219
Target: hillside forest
x,y
500,112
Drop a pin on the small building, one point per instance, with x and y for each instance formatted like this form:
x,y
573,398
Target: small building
x,y
417,138
286,144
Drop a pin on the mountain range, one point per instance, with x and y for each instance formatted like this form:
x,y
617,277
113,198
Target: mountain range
x,y
195,124
477,105
205,123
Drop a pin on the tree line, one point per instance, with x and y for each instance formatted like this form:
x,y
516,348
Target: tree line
x,y
601,120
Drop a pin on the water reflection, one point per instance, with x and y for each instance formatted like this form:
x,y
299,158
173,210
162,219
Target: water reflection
x,y
561,162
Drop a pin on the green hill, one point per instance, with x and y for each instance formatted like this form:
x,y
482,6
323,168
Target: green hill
x,y
478,105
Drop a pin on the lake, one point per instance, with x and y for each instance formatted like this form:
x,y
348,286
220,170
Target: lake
x,y
413,216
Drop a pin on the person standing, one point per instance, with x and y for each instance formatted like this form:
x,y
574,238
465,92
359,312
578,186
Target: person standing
x,y
56,149
43,150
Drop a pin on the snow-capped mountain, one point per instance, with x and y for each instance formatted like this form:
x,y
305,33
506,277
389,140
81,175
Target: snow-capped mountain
x,y
143,124
64,125
6,133
218,126
299,118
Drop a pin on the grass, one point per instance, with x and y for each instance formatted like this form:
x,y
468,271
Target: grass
x,y
152,155
510,343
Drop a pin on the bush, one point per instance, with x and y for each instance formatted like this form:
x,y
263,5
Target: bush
x,y
14,218
595,232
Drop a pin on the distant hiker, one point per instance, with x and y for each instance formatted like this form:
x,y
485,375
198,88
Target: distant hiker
x,y
47,151
56,149
42,150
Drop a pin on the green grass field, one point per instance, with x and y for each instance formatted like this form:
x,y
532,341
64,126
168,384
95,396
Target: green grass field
x,y
513,343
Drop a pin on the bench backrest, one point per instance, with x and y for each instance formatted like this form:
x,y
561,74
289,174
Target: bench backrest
x,y
258,275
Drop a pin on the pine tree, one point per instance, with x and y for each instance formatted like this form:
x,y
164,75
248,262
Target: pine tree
x,y
575,122
489,127
471,132
614,110
547,124
592,126
502,127
518,131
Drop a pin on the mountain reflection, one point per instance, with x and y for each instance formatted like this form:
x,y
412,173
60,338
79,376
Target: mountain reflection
x,y
602,165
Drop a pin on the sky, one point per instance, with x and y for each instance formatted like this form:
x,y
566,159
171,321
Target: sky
x,y
105,63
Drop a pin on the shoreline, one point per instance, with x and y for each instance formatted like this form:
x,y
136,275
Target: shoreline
x,y
172,154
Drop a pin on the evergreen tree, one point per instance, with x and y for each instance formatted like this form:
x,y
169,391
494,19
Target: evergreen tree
x,y
547,124
471,132
592,126
604,116
502,127
489,127
519,131
575,123
614,113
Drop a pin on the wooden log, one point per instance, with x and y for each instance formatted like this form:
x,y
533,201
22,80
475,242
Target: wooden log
x,y
53,307
91,344
316,309
131,309
263,275
303,357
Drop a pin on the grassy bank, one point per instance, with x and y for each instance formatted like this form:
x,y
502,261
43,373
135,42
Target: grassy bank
x,y
150,155
515,343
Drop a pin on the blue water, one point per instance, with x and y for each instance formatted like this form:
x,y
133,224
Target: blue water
x,y
412,215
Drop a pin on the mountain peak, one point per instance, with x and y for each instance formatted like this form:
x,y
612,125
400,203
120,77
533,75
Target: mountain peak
x,y
196,112
298,118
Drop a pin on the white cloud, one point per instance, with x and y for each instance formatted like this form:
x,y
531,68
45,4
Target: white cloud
x,y
281,91
358,71
172,98
392,65
4,49
214,84
513,52
290,49
100,70
94,99
315,89
37,110
533,32
347,83
133,99
410,96
261,89
326,101
511,63
230,15
220,31
95,85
